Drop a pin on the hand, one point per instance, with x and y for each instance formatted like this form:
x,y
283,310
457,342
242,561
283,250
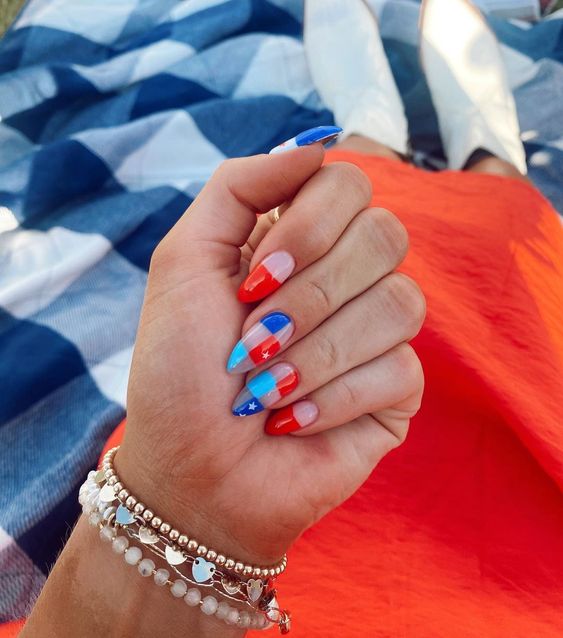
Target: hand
x,y
219,477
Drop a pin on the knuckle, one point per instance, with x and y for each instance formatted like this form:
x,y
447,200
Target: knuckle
x,y
318,297
393,236
327,352
347,393
352,176
405,302
408,367
314,239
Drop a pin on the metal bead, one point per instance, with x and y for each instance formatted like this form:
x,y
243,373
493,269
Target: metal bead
x,y
238,568
183,540
156,522
123,495
264,573
112,480
256,572
211,555
247,571
131,502
271,572
147,515
117,487
192,545
139,508
201,550
229,563
278,571
173,534
220,560
165,528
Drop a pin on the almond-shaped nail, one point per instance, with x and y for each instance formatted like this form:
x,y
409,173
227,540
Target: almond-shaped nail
x,y
268,276
324,134
261,342
291,418
266,389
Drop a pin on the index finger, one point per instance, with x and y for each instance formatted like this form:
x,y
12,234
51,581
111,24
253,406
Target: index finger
x,y
303,234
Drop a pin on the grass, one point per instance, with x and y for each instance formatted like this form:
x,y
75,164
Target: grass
x,y
8,11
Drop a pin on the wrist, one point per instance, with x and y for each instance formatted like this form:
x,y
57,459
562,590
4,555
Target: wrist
x,y
92,592
200,511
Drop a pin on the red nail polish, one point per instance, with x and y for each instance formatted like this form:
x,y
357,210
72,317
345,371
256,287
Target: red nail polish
x,y
292,418
268,276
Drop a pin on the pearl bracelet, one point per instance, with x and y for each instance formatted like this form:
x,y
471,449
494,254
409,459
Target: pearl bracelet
x,y
115,489
133,555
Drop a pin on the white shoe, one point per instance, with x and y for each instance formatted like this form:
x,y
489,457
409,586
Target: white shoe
x,y
351,72
465,72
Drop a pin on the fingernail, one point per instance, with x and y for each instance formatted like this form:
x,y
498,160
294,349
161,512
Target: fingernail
x,y
268,276
324,134
261,342
265,389
292,418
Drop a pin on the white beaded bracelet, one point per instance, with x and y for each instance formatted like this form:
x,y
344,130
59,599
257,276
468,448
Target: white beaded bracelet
x,y
100,516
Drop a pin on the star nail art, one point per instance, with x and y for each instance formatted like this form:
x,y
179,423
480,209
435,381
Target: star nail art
x,y
291,418
266,389
268,276
261,342
325,134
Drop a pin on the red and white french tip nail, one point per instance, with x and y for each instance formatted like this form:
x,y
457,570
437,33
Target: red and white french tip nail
x,y
268,276
292,418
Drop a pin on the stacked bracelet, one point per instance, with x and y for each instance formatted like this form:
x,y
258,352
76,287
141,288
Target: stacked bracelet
x,y
98,499
117,490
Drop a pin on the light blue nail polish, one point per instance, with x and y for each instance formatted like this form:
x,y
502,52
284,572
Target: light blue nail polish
x,y
325,134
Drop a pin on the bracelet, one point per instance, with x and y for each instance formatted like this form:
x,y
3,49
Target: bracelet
x,y
96,496
114,488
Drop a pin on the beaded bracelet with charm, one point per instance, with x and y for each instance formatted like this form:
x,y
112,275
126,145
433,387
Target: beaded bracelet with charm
x,y
114,489
259,591
193,597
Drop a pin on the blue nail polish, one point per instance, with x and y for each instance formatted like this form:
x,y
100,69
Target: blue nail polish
x,y
327,135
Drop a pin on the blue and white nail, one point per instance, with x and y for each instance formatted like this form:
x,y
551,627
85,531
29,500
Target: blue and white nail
x,y
266,389
327,135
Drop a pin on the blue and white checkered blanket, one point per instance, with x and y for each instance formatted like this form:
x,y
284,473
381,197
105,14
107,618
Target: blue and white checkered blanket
x,y
112,116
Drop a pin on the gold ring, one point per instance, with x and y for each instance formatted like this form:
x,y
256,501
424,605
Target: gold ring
x,y
275,215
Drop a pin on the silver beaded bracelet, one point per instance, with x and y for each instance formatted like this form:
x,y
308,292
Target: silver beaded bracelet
x,y
106,518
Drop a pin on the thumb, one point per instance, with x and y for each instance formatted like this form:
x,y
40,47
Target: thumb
x,y
224,213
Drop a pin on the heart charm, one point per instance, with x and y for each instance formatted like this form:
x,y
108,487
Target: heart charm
x,y
107,495
123,516
202,570
100,477
174,557
147,536
230,586
254,589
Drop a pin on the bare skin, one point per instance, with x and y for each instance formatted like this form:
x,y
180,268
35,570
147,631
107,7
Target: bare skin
x,y
489,165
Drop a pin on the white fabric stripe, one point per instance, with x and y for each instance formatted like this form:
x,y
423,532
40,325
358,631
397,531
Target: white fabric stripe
x,y
36,266
112,375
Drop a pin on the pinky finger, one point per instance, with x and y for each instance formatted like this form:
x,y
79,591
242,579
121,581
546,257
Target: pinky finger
x,y
390,385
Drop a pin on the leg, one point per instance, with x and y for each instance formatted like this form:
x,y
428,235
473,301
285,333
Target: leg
x,y
485,162
361,144
352,75
470,89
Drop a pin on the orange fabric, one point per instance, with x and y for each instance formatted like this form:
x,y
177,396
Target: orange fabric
x,y
459,533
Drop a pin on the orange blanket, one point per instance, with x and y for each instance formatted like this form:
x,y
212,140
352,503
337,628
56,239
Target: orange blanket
x,y
459,533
